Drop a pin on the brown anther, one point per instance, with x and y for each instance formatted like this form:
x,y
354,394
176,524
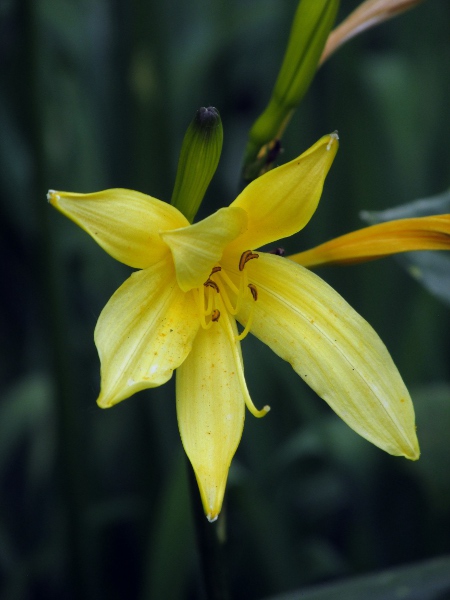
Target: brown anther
x,y
215,315
253,290
215,270
245,257
211,283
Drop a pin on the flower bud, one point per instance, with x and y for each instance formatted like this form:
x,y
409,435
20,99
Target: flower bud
x,y
198,161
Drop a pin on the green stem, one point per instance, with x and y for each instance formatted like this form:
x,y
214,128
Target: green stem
x,y
210,543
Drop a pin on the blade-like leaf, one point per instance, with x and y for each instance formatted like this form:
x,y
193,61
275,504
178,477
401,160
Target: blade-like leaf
x,y
424,581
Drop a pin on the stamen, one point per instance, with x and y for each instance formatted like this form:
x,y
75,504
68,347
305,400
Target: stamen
x,y
240,371
247,328
245,257
226,300
210,304
223,292
215,270
199,296
213,284
253,290
215,315
229,282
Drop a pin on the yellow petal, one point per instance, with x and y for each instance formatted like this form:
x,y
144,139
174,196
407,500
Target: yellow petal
x,y
197,248
376,241
144,332
124,223
282,201
210,409
334,350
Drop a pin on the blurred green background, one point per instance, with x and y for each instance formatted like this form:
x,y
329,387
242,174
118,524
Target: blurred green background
x,y
94,504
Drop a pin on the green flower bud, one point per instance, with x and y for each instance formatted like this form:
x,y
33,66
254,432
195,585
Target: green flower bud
x,y
198,161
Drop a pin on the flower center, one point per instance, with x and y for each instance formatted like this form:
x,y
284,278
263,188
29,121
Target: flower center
x,y
219,293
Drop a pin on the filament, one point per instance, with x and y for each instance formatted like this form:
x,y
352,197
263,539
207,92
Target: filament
x,y
235,348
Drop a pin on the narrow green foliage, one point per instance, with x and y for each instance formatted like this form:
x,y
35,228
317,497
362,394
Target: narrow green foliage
x,y
198,161
311,26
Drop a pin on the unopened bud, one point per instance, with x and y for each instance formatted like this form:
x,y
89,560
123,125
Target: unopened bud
x,y
199,157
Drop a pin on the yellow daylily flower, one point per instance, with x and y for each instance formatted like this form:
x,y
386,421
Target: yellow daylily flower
x,y
180,311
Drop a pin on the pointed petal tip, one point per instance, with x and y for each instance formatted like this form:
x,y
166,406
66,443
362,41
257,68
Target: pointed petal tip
x,y
334,137
104,403
212,499
413,453
410,447
414,457
407,447
52,196
212,517
212,492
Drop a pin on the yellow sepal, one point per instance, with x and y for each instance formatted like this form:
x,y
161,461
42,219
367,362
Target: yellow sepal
x,y
124,223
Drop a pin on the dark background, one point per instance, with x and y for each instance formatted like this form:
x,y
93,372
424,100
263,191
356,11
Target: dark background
x,y
94,504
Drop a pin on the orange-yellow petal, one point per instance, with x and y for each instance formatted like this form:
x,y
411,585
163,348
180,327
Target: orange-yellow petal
x,y
282,201
377,241
144,332
124,223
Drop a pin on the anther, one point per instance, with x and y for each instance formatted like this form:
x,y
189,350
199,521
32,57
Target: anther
x,y
215,270
253,290
215,315
245,257
211,283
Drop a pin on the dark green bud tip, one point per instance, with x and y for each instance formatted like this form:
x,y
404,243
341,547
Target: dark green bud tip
x,y
207,119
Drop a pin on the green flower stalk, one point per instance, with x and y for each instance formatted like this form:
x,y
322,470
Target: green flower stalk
x,y
312,24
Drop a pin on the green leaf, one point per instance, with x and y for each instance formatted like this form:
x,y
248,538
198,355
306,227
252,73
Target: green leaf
x,y
424,581
199,157
430,268
311,26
